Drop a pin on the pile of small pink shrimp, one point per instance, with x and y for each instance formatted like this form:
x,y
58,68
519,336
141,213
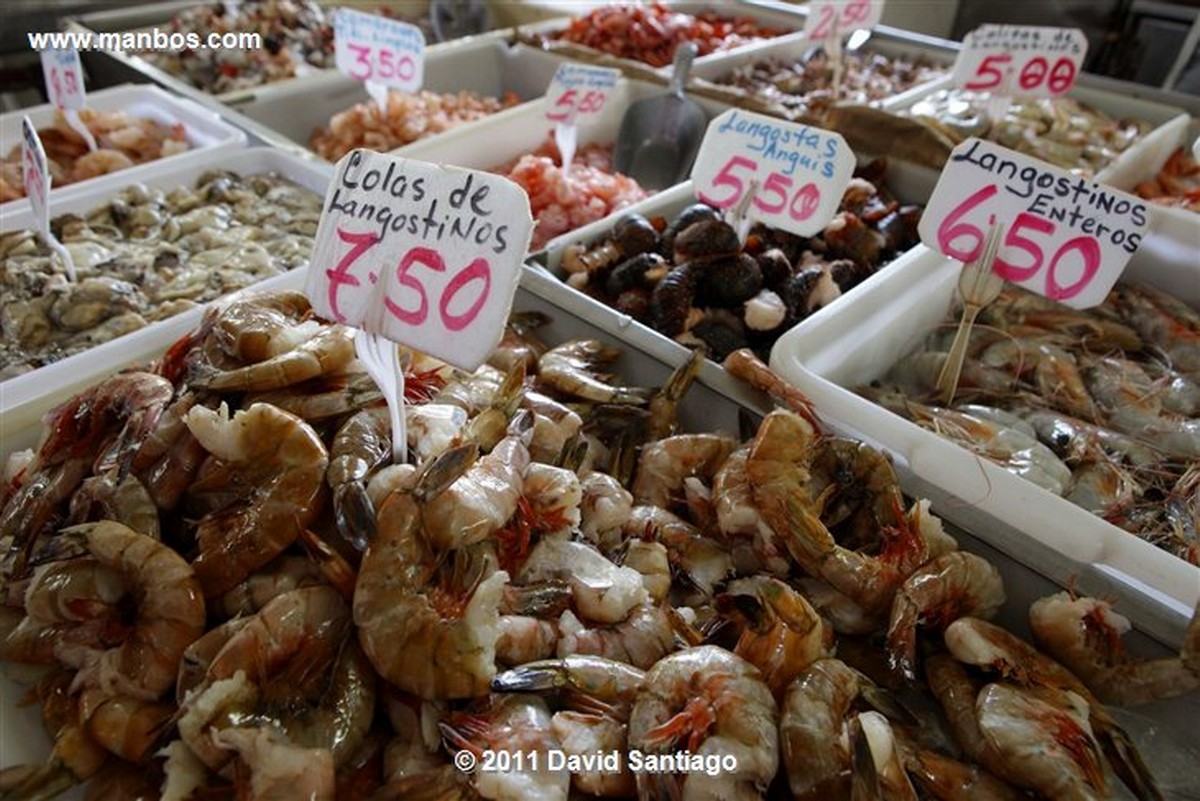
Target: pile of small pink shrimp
x,y
1177,183
234,590
407,118
563,200
122,141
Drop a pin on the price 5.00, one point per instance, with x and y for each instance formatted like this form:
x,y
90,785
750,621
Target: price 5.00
x,y
954,230
572,103
774,196
993,69
380,63
416,257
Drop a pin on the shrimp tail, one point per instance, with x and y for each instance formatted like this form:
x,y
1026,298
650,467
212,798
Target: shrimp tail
x,y
1127,762
36,782
534,677
354,514
864,778
902,638
443,471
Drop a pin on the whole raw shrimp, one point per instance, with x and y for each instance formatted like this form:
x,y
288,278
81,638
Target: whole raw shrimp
x,y
262,485
569,370
936,594
1163,320
601,590
1085,635
708,701
267,343
977,642
99,162
704,561
640,640
483,499
781,635
428,627
361,446
665,463
97,430
292,677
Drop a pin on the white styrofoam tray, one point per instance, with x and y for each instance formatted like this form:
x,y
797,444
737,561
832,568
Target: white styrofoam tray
x,y
1164,731
791,49
489,69
21,396
858,340
1167,122
206,132
1167,257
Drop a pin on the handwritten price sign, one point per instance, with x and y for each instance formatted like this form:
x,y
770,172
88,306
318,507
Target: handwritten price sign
x,y
830,18
1067,238
35,175
385,51
1020,60
64,78
579,91
422,254
786,175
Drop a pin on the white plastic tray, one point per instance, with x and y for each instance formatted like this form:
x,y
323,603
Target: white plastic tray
x,y
23,396
1164,731
297,108
791,49
859,339
206,132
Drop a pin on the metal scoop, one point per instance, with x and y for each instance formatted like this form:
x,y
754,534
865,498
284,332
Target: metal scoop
x,y
659,136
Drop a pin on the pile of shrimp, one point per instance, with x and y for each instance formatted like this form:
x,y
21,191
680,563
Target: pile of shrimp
x,y
1100,406
563,199
1177,183
693,280
232,590
407,118
651,32
122,141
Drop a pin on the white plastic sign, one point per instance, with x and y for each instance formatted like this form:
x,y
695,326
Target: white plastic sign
x,y
1067,239
834,18
1020,60
422,254
35,175
579,91
64,78
785,175
379,50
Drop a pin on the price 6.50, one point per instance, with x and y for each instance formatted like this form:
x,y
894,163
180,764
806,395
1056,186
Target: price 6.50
x,y
955,231
416,257
774,196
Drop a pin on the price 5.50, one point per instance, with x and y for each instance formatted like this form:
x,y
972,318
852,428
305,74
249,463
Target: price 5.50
x,y
774,196
955,231
572,103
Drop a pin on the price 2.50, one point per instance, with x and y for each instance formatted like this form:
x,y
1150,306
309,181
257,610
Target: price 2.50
x,y
381,64
964,240
416,257
573,103
773,196
833,19
995,68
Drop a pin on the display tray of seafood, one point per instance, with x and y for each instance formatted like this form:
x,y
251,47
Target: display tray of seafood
x,y
332,113
138,130
520,146
793,78
248,595
645,35
675,267
297,36
148,256
1079,430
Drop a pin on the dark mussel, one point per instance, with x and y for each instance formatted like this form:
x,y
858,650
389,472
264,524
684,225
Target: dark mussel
x,y
706,240
671,301
697,212
729,282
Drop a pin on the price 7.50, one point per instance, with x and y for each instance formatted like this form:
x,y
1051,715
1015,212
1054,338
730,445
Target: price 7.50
x,y
774,196
375,63
572,103
955,230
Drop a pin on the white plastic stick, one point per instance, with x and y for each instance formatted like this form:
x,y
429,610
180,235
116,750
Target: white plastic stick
x,y
382,361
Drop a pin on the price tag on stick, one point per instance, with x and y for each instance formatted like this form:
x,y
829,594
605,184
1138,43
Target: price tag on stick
x,y
1019,61
1067,239
379,51
830,21
64,88
783,174
36,179
576,92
